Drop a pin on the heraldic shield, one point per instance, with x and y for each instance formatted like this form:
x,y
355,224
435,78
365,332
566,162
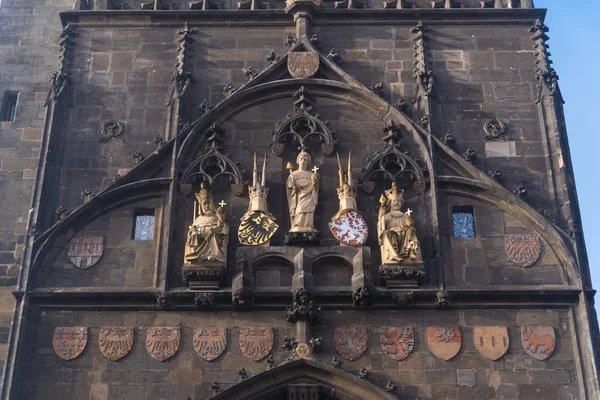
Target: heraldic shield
x,y
444,341
397,343
162,343
491,341
350,341
523,250
350,229
256,228
69,342
303,64
116,341
85,251
210,343
256,343
538,341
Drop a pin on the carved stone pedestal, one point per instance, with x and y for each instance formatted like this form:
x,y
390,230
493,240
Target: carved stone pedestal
x,y
405,276
203,277
303,238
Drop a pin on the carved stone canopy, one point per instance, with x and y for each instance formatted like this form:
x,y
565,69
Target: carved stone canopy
x,y
301,126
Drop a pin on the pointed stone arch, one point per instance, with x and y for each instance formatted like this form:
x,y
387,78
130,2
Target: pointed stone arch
x,y
333,383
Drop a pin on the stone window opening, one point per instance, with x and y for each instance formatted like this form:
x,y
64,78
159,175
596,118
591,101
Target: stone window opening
x,y
463,221
143,225
9,106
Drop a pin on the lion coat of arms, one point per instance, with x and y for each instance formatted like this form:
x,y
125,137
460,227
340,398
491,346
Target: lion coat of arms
x,y
350,229
350,341
397,343
210,343
523,250
303,64
69,342
256,343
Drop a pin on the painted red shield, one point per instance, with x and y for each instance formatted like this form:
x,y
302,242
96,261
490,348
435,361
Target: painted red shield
x,y
162,343
444,341
69,342
85,251
523,250
350,229
538,341
397,343
350,341
210,343
256,343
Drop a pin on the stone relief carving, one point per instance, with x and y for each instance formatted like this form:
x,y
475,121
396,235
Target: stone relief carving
x,y
348,225
303,64
85,251
111,130
397,343
256,343
491,341
523,250
444,341
494,129
257,226
162,342
209,343
70,342
538,341
303,307
350,342
116,341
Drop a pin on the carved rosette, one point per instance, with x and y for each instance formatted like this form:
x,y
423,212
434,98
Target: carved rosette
x,y
256,343
523,250
444,341
303,64
162,343
397,343
538,341
210,343
350,342
116,341
69,342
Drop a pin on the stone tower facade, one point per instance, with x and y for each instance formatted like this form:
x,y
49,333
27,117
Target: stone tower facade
x,y
310,199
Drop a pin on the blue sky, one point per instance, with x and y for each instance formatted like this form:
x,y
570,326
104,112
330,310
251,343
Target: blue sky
x,y
574,33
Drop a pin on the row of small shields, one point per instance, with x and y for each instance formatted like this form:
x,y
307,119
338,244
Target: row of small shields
x,y
444,342
162,343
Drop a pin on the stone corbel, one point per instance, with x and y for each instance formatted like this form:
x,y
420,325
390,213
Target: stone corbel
x,y
363,287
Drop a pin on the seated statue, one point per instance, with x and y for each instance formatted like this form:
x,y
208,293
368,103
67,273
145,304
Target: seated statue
x,y
208,236
396,231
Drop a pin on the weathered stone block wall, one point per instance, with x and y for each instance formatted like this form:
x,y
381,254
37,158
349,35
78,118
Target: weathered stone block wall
x,y
516,376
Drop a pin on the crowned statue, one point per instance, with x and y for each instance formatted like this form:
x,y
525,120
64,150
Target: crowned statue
x,y
348,225
303,194
396,230
258,225
208,236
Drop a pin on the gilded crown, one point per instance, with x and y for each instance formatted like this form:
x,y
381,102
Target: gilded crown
x,y
394,193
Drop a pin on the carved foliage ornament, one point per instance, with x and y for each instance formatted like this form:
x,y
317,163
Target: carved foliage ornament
x,y
85,251
397,343
69,342
303,64
210,343
116,341
491,341
350,342
256,343
212,164
394,163
302,126
538,341
444,341
523,250
162,343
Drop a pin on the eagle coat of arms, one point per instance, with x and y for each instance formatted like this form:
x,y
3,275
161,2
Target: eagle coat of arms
x,y
350,341
210,343
303,64
69,342
444,341
256,343
85,251
256,228
350,228
523,250
397,343
162,343
116,341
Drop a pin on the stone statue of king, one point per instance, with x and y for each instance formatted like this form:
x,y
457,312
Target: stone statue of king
x,y
208,235
303,194
396,231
